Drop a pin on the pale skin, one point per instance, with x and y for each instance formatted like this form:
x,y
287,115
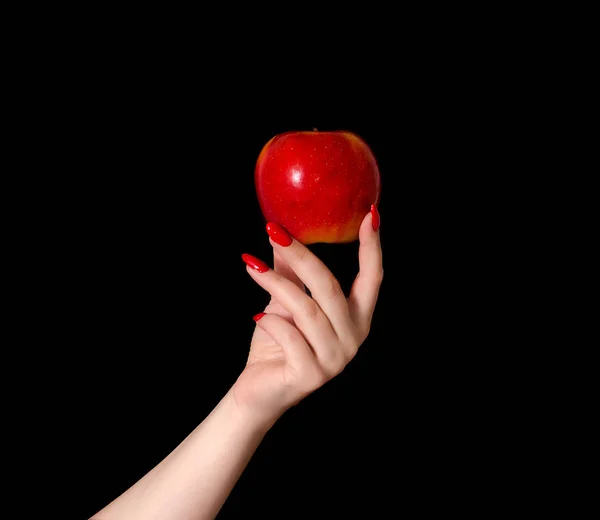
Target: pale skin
x,y
299,344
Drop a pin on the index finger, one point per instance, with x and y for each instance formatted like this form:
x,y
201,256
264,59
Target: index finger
x,y
281,266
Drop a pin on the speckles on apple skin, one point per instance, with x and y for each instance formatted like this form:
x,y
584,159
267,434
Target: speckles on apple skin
x,y
319,187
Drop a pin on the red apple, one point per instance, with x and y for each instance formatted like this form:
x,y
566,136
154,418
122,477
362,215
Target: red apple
x,y
317,185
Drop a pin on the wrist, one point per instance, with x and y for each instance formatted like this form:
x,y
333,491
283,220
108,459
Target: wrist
x,y
258,421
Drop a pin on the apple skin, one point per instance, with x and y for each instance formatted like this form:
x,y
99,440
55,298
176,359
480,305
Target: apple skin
x,y
318,185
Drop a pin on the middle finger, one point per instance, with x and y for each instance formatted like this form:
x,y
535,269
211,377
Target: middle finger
x,y
317,277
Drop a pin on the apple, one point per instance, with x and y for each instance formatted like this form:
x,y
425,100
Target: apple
x,y
318,185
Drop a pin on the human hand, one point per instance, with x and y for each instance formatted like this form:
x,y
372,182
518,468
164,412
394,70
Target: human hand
x,y
301,341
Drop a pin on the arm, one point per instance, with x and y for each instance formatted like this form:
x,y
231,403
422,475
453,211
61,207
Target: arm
x,y
300,342
194,480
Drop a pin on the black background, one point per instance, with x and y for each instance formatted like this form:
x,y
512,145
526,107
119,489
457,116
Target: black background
x,y
136,137
165,310
158,207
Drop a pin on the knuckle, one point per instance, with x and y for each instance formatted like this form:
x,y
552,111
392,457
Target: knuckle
x,y
333,289
310,309
336,370
333,362
301,253
309,379
351,350
353,340
288,337
277,277
316,378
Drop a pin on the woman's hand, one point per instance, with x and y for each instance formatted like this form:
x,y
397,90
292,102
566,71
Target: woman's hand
x,y
303,341
300,343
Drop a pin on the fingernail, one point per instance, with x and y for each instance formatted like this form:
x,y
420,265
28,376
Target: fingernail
x,y
255,263
258,316
278,234
375,219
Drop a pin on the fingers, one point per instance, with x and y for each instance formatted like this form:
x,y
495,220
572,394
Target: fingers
x,y
297,352
314,274
365,289
307,314
280,266
329,326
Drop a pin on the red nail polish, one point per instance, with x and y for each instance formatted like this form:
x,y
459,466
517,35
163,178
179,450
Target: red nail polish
x,y
255,263
375,219
278,234
258,316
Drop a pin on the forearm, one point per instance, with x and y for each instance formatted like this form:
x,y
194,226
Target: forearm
x,y
194,480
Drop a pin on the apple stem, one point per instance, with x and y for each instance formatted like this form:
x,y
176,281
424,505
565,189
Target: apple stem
x,y
315,130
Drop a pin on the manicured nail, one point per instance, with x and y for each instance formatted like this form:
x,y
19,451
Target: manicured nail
x,y
258,316
255,263
278,234
375,219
